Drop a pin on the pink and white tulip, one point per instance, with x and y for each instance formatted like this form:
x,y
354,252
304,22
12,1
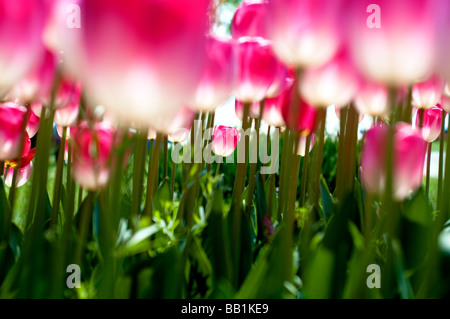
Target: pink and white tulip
x,y
217,81
372,99
141,59
68,115
92,150
256,69
431,125
250,20
409,156
401,50
21,25
305,33
32,124
225,140
301,151
12,124
428,93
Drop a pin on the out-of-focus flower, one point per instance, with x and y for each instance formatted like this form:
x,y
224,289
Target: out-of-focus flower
x,y
225,140
447,90
23,175
302,144
372,99
180,130
431,125
32,124
12,118
256,69
304,119
272,111
21,25
59,130
280,80
250,20
269,229
401,50
141,59
445,103
92,150
151,134
179,135
68,115
305,33
428,93
409,156
443,30
217,81
335,82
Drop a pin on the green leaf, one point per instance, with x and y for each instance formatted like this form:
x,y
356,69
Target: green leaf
x,y
5,213
327,200
418,210
139,242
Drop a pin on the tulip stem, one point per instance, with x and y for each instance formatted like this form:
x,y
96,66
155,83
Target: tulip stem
x,y
319,156
138,175
172,179
218,168
305,171
427,179
341,152
153,173
12,190
85,219
211,118
165,143
58,179
441,160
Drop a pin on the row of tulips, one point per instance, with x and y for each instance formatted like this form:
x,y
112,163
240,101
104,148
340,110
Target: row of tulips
x,y
136,80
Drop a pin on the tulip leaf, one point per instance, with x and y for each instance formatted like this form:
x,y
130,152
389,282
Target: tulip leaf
x,y
327,200
418,209
139,242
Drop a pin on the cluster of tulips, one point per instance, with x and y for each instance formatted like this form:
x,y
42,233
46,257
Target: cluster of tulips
x,y
119,82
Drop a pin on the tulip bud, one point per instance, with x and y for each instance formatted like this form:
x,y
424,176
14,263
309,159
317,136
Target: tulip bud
x,y
409,156
272,111
225,140
428,93
372,99
68,115
12,117
92,150
431,125
301,151
32,124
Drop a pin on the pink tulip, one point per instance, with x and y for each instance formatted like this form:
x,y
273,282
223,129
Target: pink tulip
x,y
335,82
142,59
428,93
431,125
337,111
217,81
92,150
256,69
305,121
301,151
24,166
443,21
181,127
272,111
279,82
68,115
225,140
21,25
409,156
447,90
12,117
401,49
32,124
23,175
305,33
372,99
250,20
59,130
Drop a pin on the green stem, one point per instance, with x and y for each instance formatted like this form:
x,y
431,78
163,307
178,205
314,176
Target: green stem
x,y
153,173
2,168
319,157
12,190
165,145
86,214
427,179
305,172
174,168
218,168
58,179
441,160
138,176
341,153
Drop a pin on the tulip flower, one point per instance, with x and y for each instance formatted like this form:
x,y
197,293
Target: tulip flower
x,y
151,134
372,99
68,115
409,156
445,103
335,82
337,111
305,33
431,125
250,20
180,130
301,151
59,130
225,140
92,150
398,50
305,121
280,80
428,93
142,60
443,30
21,25
32,124
256,69
217,81
447,90
272,111
23,165
12,117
